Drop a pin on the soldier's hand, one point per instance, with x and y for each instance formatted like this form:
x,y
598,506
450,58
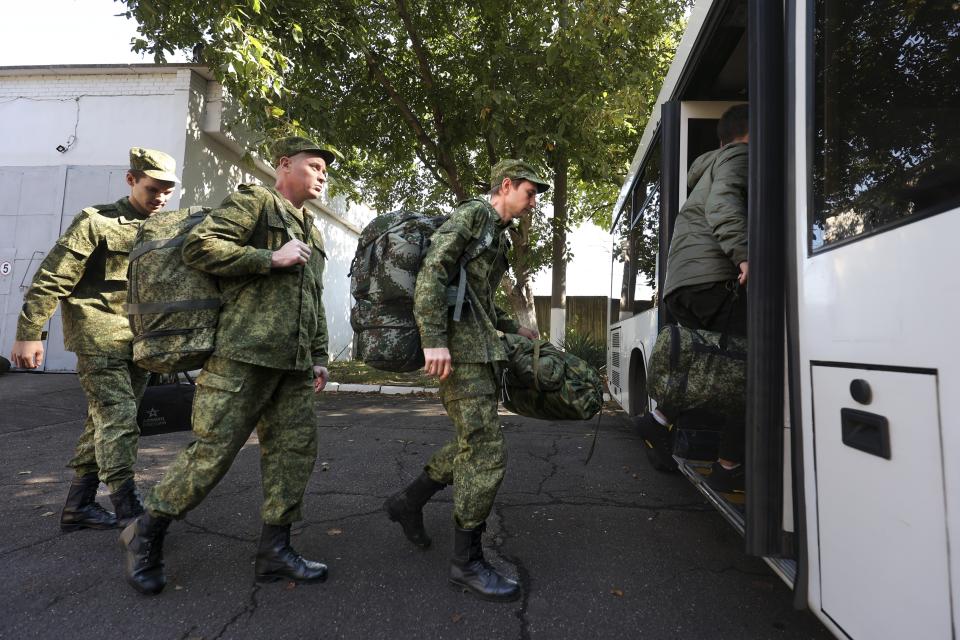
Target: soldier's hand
x,y
437,362
321,376
294,252
742,278
532,334
27,354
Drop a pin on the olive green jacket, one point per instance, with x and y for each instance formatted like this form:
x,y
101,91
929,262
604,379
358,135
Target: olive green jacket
x,y
710,236
86,272
270,317
474,337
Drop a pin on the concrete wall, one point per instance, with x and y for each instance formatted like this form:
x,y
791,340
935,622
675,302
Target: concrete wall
x,y
98,113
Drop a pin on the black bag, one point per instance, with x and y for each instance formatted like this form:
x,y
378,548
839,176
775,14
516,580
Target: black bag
x,y
167,404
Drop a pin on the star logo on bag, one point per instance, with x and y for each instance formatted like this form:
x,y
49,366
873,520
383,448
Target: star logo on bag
x,y
153,413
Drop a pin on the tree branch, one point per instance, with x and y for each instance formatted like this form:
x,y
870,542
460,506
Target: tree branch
x,y
405,111
429,84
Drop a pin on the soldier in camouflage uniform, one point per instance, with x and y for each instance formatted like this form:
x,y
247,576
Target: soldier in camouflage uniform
x,y
270,358
86,272
465,355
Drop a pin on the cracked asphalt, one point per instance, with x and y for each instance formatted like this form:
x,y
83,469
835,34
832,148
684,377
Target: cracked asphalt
x,y
604,550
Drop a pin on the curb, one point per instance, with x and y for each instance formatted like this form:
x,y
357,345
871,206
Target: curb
x,y
386,389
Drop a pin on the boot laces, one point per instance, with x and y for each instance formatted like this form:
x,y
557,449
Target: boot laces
x,y
153,546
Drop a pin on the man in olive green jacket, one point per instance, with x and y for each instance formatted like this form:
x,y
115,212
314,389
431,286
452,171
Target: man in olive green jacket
x,y
86,273
707,264
465,353
269,360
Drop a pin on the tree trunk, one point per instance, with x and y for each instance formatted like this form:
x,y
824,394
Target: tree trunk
x,y
521,302
558,293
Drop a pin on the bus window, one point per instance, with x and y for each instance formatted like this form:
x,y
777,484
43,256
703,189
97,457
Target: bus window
x,y
887,116
635,244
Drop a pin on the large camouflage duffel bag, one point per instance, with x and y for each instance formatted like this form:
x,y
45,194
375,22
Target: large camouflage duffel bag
x,y
383,277
541,381
173,309
698,370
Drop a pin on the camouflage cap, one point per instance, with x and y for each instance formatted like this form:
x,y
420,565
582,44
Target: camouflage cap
x,y
513,169
154,164
292,145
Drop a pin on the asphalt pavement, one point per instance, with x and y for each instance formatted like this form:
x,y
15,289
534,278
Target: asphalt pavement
x,y
610,549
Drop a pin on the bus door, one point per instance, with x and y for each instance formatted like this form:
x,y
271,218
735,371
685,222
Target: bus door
x,y
878,276
697,124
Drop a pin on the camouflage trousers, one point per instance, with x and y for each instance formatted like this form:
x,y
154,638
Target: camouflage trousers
x,y
108,444
474,462
232,399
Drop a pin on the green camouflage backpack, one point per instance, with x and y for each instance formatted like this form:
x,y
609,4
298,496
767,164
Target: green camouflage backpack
x,y
698,370
173,308
541,381
383,276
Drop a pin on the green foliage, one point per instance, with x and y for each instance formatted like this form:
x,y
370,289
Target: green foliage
x,y
586,347
423,98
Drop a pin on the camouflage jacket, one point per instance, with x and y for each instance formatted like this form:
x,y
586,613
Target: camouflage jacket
x,y
86,272
270,317
474,338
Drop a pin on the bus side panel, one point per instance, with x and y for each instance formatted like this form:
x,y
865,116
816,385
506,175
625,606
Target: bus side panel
x,y
627,339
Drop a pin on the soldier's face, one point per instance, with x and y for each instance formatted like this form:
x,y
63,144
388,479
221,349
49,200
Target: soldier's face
x,y
305,174
519,198
147,194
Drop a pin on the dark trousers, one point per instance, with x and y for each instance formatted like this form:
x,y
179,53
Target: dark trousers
x,y
721,307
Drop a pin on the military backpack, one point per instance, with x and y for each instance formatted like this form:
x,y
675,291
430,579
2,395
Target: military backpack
x,y
383,277
541,381
173,308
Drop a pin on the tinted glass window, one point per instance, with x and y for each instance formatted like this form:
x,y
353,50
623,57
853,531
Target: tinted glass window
x,y
635,244
887,121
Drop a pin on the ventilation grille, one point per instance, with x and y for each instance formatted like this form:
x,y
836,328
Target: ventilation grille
x,y
615,359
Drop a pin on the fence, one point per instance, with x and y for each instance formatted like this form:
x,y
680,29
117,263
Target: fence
x,y
586,315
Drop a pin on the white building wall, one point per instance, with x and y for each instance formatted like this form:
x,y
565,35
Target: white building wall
x,y
106,113
99,113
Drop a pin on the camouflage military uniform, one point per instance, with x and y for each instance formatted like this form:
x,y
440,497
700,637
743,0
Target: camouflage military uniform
x,y
272,331
474,461
86,272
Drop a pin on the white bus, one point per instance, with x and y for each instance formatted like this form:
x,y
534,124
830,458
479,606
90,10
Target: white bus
x,y
853,399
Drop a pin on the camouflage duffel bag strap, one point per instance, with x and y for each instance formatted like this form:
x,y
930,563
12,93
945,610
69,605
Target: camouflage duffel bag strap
x,y
383,276
541,381
698,370
173,308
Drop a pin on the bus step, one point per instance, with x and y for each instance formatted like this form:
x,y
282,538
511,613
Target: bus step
x,y
730,506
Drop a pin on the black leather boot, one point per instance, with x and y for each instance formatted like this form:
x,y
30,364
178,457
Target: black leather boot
x,y
406,508
126,502
470,572
82,511
142,543
277,560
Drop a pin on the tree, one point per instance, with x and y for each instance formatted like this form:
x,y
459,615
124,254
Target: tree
x,y
424,98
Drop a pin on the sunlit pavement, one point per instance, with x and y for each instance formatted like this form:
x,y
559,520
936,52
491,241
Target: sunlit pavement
x,y
611,549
